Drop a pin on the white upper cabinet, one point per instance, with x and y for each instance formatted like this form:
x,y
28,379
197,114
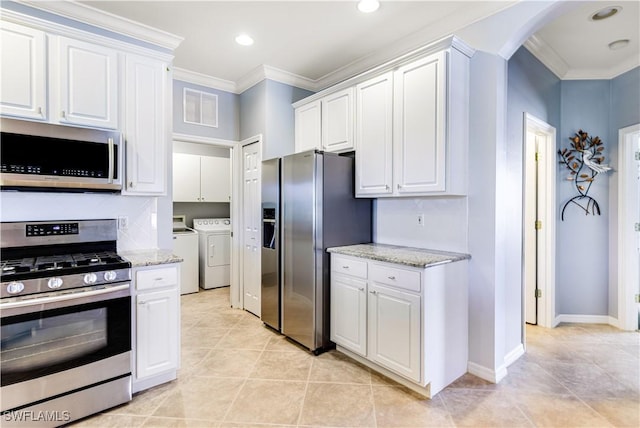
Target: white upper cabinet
x,y
425,129
407,121
23,66
145,127
48,77
88,88
337,121
201,178
374,138
326,124
307,127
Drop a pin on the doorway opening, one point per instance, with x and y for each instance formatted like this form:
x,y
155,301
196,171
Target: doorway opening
x,y
539,222
629,228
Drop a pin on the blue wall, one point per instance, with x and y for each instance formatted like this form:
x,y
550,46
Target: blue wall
x,y
599,107
266,108
228,113
582,247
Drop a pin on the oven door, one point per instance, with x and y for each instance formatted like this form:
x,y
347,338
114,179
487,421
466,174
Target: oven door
x,y
54,344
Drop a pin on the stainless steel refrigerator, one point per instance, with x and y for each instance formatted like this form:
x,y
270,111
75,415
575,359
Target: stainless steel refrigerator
x,y
308,206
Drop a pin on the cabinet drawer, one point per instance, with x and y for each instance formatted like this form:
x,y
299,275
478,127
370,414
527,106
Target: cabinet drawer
x,y
349,267
396,277
155,278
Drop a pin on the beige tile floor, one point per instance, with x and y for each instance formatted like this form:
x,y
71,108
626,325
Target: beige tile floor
x,y
237,373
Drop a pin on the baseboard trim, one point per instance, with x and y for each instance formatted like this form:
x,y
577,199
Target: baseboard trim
x,y
490,375
514,355
586,319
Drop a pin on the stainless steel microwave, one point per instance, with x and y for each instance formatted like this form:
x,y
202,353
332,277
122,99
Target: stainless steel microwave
x,y
46,157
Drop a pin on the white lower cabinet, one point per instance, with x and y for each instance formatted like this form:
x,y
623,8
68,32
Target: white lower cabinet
x,y
156,326
394,330
407,323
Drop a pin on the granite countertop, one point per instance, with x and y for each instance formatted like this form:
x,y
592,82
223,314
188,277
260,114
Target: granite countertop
x,y
150,257
409,256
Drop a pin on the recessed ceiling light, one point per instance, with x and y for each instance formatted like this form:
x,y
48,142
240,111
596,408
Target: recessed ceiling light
x,y
244,40
605,13
368,6
618,44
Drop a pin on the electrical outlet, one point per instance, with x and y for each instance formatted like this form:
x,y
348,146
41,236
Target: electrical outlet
x,y
420,219
123,222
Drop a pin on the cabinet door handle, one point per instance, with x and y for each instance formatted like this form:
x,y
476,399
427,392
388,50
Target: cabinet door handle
x,y
142,302
131,184
345,267
361,289
40,111
386,187
393,278
373,292
399,186
63,114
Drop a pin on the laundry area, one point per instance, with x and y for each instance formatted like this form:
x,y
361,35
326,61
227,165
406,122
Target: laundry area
x,y
201,219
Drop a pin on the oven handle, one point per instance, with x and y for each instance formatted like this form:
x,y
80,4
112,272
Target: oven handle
x,y
59,300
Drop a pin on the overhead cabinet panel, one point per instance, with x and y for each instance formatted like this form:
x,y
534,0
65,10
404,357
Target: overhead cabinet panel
x,y
374,138
23,70
88,84
337,121
420,126
308,127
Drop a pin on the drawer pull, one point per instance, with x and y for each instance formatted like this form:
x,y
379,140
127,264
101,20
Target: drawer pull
x,y
345,267
373,292
142,302
361,288
158,279
393,278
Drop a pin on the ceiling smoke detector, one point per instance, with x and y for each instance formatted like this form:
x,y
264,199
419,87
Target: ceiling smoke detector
x,y
605,13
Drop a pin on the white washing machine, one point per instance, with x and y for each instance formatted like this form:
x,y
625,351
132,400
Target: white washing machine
x,y
214,238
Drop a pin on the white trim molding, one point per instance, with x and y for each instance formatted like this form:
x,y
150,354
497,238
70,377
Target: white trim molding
x,y
204,80
583,319
108,21
546,304
628,276
514,355
490,375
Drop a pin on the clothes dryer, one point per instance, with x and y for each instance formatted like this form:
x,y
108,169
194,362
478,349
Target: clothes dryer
x,y
214,238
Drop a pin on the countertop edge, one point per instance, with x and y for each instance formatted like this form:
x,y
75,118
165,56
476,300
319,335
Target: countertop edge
x,y
150,257
441,257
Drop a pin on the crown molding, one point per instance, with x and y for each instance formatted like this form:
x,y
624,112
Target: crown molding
x,y
108,21
546,55
250,79
204,80
288,78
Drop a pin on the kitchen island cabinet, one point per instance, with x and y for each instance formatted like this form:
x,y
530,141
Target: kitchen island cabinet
x,y
401,311
155,311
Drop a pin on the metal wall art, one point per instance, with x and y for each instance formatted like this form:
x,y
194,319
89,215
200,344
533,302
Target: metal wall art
x,y
584,160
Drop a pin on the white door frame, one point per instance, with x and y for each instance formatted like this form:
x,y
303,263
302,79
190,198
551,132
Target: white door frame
x,y
237,293
235,248
628,276
546,265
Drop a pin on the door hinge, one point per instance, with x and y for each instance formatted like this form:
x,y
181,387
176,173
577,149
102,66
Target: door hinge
x,y
538,224
636,227
637,156
538,293
537,156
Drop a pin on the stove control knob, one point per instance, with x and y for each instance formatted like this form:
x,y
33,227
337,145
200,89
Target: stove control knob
x,y
110,275
15,287
55,282
90,278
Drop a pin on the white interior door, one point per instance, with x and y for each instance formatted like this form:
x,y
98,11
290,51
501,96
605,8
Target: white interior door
x,y
251,227
539,222
629,228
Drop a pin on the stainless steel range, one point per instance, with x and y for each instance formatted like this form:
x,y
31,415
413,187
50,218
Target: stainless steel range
x,y
65,312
